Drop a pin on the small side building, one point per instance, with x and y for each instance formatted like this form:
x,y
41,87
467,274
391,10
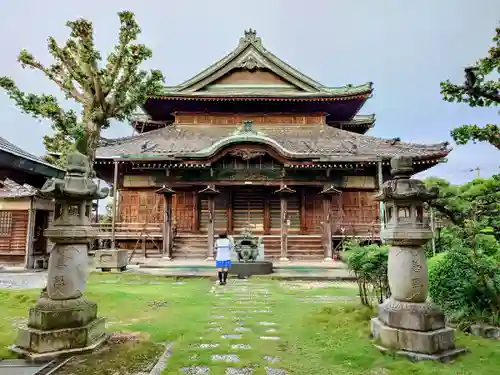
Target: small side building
x,y
24,212
24,215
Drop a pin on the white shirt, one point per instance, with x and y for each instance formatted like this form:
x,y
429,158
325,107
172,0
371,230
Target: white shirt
x,y
223,247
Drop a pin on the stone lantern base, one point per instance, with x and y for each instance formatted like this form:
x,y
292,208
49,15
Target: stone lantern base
x,y
415,330
111,259
57,328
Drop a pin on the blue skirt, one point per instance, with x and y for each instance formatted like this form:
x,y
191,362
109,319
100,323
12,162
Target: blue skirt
x,y
222,263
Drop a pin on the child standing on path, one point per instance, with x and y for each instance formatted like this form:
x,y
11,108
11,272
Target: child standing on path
x,y
223,248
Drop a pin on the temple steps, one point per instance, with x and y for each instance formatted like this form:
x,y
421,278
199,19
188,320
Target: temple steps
x,y
190,247
300,247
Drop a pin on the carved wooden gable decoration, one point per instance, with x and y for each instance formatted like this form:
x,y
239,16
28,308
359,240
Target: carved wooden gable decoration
x,y
250,68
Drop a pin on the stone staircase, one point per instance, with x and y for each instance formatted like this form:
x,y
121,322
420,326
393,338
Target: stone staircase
x,y
190,246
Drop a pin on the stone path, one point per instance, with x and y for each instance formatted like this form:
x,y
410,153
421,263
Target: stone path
x,y
238,304
25,280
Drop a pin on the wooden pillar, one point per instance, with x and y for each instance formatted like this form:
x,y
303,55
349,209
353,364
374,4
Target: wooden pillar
x,y
167,222
327,194
229,210
303,226
211,225
267,213
380,179
327,203
284,229
210,192
29,261
284,192
113,214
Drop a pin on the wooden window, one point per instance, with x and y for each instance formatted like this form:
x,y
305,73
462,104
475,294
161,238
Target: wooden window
x,y
5,223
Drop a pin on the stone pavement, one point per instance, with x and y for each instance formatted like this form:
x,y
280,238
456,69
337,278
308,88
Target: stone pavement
x,y
19,367
248,304
22,280
19,278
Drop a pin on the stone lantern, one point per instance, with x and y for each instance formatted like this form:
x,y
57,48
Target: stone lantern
x,y
407,322
63,320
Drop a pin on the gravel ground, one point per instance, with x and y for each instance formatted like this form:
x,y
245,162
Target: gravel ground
x,y
23,280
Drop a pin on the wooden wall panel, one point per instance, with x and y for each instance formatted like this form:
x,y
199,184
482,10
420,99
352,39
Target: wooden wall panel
x,y
356,211
140,206
256,76
13,235
258,119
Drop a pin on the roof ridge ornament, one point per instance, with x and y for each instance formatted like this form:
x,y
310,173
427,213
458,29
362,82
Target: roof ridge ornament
x,y
250,36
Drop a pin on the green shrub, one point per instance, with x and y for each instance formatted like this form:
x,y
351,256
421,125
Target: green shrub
x,y
464,285
369,264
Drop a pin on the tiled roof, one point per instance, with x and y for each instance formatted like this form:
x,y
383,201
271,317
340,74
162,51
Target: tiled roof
x,y
250,54
11,189
10,148
326,142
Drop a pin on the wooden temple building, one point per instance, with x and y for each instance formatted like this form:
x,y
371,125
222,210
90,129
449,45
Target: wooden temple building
x,y
24,212
251,143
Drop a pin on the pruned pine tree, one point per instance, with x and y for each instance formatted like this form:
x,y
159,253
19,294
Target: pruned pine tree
x,y
481,88
103,91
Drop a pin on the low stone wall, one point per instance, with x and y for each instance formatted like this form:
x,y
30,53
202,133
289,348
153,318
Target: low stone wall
x,y
486,331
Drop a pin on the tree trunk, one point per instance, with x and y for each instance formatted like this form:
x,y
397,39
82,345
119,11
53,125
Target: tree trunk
x,y
91,141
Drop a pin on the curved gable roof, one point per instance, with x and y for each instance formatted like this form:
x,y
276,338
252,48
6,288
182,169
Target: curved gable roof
x,y
251,54
315,142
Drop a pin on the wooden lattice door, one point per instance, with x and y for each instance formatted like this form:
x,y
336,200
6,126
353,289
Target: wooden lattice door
x,y
314,212
184,208
248,209
221,202
293,210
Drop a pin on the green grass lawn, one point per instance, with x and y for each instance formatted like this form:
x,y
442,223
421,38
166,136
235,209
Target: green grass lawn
x,y
315,338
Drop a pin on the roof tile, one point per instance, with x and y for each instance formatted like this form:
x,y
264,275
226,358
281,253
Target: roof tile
x,y
326,141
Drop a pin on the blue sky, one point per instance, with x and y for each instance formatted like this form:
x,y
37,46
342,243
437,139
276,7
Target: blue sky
x,y
405,47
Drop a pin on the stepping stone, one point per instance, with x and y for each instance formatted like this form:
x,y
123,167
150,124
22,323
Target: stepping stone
x,y
271,359
271,330
180,283
213,323
261,311
218,317
206,346
242,329
215,329
238,311
267,323
239,371
195,370
275,371
232,337
241,318
225,357
241,346
269,337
